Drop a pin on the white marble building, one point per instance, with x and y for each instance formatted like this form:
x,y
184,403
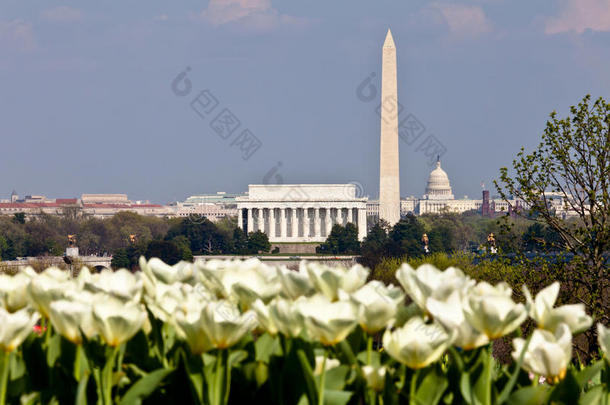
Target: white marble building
x,y
300,212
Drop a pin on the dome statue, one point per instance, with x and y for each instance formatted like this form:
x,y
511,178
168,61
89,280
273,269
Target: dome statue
x,y
438,187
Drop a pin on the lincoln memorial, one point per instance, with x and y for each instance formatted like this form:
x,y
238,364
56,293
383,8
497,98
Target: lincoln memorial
x,y
300,212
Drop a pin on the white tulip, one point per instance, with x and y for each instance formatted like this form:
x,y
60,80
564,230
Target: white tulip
x,y
157,270
603,338
246,280
326,321
541,310
50,285
84,275
68,317
450,314
13,291
428,281
328,365
286,317
295,283
191,327
264,319
375,377
417,344
121,284
117,321
548,354
224,324
329,280
15,327
377,305
280,315
167,298
491,310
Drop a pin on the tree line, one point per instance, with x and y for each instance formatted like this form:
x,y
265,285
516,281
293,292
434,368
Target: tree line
x,y
126,236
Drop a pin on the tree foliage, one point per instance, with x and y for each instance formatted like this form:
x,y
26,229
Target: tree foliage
x,y
572,163
341,240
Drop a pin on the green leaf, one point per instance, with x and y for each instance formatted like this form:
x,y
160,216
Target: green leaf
x,y
334,378
265,346
53,350
144,387
310,381
567,391
465,388
529,396
335,397
81,391
597,396
587,374
375,358
431,386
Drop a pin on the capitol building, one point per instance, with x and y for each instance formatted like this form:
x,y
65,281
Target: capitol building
x,y
438,198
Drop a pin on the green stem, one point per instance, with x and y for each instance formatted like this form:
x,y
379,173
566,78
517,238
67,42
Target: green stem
x,y
4,377
369,350
227,382
508,388
412,388
77,363
487,371
322,378
107,375
218,375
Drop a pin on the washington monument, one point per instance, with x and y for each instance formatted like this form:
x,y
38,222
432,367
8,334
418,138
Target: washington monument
x,y
389,177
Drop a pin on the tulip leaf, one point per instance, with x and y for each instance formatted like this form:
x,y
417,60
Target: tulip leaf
x,y
310,381
336,397
53,350
375,358
567,391
264,347
482,385
596,396
529,396
431,386
144,387
236,357
587,374
81,391
334,378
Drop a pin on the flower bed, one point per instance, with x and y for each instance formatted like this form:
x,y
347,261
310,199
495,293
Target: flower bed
x,y
221,332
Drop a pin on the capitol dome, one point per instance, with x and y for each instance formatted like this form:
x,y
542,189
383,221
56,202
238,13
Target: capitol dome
x,y
438,187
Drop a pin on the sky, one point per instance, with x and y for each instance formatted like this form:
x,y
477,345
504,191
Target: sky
x,y
162,100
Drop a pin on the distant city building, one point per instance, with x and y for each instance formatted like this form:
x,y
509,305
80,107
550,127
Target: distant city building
x,y
105,199
300,212
439,198
212,206
94,205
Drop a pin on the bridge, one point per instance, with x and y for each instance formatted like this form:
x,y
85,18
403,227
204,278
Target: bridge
x,y
93,262
100,262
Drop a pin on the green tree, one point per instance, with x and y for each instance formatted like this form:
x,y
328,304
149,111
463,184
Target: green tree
x,y
240,241
373,248
184,246
571,165
204,236
164,250
405,238
19,218
258,242
120,259
342,239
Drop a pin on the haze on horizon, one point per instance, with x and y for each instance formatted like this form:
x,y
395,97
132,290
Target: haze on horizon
x,y
88,106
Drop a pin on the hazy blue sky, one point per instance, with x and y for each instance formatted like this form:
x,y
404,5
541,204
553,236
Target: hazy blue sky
x,y
87,104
